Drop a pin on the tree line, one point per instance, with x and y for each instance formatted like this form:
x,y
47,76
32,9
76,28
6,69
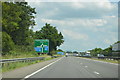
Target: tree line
x,y
106,52
18,20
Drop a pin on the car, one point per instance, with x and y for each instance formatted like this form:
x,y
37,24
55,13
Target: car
x,y
66,55
87,55
76,55
100,56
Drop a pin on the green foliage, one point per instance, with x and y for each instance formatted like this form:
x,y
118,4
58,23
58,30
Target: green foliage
x,y
53,52
96,51
7,43
10,17
68,51
51,33
75,52
17,24
105,52
10,66
17,19
0,42
60,50
108,51
117,42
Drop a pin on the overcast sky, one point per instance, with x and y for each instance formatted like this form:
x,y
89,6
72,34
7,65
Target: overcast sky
x,y
84,25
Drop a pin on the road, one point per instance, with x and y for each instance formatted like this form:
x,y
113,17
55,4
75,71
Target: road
x,y
75,67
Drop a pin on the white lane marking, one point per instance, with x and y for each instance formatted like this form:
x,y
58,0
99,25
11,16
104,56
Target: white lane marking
x,y
86,66
100,61
96,72
41,69
81,63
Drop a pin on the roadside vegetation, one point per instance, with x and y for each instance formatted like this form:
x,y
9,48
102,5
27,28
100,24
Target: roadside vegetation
x,y
18,21
17,31
15,65
106,52
111,61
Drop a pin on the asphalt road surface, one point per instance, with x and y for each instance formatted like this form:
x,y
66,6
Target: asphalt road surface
x,y
75,67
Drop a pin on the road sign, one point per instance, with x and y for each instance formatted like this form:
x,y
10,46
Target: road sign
x,y
41,45
61,53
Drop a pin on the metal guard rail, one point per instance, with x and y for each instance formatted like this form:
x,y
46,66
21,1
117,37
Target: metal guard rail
x,y
20,59
114,58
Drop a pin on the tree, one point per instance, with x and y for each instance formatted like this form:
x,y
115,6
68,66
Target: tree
x,y
17,19
68,51
60,50
10,17
96,51
51,33
108,51
7,43
117,42
75,52
17,24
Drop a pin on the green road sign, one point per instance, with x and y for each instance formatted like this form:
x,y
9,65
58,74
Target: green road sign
x,y
41,45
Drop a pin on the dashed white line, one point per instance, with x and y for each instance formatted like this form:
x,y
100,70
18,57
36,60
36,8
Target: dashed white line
x,y
41,68
96,72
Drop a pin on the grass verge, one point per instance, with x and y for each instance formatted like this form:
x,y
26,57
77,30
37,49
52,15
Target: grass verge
x,y
111,61
20,55
11,66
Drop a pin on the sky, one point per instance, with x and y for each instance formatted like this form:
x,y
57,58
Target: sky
x,y
84,25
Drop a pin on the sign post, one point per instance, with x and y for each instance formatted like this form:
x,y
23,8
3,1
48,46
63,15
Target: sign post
x,y
41,45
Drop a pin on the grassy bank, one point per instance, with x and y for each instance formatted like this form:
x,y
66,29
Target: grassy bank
x,y
15,65
21,52
20,55
111,61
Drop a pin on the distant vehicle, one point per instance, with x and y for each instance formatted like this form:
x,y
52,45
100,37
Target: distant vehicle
x,y
100,56
66,55
87,55
80,55
77,55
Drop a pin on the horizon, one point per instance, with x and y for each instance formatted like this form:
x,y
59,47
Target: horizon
x,y
98,29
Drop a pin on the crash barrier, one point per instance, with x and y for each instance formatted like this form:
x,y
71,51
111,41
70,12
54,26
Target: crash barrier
x,y
21,59
85,56
107,58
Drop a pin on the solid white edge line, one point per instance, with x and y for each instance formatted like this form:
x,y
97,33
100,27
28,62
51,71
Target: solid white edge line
x,y
41,69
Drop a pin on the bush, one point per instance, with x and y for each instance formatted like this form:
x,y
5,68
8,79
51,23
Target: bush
x,y
12,52
7,43
53,52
